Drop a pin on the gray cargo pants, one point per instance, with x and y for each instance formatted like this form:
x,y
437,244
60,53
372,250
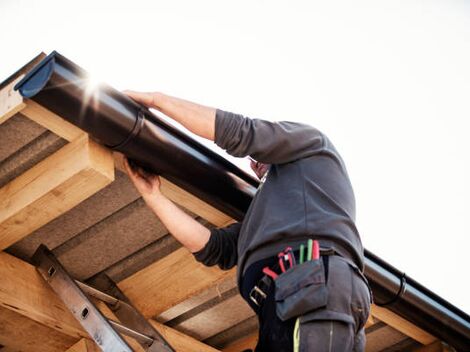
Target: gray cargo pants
x,y
338,327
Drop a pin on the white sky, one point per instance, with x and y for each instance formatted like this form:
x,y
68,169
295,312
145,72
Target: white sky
x,y
388,81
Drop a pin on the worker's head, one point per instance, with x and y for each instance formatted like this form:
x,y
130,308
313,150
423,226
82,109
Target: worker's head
x,y
259,168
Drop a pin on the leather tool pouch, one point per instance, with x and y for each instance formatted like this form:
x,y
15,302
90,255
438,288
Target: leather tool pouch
x,y
301,289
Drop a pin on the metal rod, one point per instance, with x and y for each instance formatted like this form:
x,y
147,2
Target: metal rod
x,y
97,293
147,340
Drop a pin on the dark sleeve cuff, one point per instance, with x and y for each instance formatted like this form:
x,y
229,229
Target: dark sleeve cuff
x,y
221,249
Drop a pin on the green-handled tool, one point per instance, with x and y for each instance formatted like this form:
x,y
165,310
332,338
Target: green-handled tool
x,y
309,250
301,255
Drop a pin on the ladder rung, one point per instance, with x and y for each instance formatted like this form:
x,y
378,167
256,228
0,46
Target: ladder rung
x,y
97,293
147,340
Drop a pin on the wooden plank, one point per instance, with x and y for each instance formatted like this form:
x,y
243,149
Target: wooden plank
x,y
11,101
24,291
246,343
402,325
170,281
84,345
19,333
370,321
51,121
179,341
52,187
215,319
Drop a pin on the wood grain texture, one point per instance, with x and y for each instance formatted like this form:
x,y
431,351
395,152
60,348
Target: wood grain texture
x,y
170,281
402,325
52,187
246,343
383,337
179,341
51,121
25,292
217,318
84,345
83,217
19,333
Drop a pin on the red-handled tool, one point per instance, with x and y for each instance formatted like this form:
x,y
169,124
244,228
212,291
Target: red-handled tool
x,y
270,273
290,256
315,250
281,256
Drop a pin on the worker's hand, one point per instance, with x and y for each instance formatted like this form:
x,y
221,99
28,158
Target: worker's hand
x,y
146,183
259,168
150,100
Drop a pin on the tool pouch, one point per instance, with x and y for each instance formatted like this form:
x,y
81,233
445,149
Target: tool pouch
x,y
301,289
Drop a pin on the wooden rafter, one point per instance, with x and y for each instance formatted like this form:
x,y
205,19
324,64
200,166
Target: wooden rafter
x,y
402,325
24,292
169,281
52,187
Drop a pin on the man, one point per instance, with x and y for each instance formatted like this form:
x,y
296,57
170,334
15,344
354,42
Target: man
x,y
305,194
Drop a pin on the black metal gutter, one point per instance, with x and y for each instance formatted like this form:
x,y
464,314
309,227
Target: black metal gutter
x,y
121,124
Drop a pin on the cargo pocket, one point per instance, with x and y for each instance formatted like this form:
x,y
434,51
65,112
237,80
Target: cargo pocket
x,y
300,290
326,330
360,299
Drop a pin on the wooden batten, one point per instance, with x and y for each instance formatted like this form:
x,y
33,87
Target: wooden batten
x,y
52,187
402,325
51,121
169,281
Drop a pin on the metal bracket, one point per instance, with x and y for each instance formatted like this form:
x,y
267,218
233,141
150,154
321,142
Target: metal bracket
x,y
102,330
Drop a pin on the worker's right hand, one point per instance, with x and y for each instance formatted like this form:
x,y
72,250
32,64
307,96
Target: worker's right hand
x,y
149,100
146,183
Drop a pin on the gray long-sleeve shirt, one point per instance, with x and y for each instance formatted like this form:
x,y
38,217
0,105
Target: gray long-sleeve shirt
x,y
307,194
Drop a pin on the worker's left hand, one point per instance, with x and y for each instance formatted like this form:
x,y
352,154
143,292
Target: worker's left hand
x,y
146,183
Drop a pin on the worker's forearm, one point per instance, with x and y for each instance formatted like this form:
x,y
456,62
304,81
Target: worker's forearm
x,y
184,228
199,119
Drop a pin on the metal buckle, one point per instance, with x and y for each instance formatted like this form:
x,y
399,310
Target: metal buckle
x,y
256,290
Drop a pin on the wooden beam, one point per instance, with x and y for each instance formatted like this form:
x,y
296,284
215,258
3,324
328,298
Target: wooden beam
x,y
247,343
11,101
51,121
179,341
169,281
52,187
84,345
24,291
22,334
402,325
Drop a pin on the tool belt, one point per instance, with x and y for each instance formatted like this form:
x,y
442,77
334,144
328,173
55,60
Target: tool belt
x,y
298,290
